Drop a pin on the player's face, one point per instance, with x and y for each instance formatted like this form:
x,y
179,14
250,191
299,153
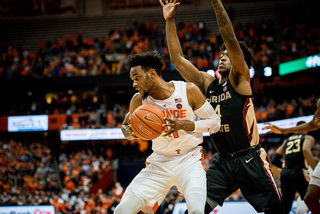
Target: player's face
x,y
141,81
224,63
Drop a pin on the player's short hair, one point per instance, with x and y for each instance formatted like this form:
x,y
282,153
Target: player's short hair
x,y
148,60
300,122
248,57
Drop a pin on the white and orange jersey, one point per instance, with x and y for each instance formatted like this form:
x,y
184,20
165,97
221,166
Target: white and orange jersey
x,y
181,141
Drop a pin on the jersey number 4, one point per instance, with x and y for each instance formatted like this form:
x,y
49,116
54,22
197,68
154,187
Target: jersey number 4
x,y
217,110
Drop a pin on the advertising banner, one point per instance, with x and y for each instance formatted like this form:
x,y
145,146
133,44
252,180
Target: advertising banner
x,y
27,123
91,134
27,210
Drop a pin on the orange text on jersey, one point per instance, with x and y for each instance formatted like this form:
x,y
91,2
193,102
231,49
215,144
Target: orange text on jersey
x,y
181,113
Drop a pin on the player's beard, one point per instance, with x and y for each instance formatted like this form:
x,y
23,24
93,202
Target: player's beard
x,y
148,85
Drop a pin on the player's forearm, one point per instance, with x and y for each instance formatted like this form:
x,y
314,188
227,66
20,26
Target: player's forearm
x,y
211,125
224,23
186,125
174,46
306,127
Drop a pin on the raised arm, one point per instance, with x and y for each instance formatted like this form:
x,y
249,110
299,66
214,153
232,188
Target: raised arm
x,y
187,70
239,74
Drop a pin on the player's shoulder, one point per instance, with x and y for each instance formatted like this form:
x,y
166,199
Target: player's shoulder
x,y
191,86
137,97
309,136
203,82
135,102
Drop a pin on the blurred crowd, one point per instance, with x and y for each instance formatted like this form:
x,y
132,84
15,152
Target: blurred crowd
x,y
270,110
74,55
29,177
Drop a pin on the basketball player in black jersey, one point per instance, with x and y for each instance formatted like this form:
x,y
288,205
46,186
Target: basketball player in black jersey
x,y
297,153
313,192
240,161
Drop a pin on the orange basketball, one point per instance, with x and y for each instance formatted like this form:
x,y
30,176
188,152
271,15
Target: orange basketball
x,y
146,122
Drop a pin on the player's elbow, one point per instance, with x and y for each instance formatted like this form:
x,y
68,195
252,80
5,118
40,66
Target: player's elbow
x,y
176,60
306,152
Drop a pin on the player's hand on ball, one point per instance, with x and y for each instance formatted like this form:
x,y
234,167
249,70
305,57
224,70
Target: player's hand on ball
x,y
172,124
129,131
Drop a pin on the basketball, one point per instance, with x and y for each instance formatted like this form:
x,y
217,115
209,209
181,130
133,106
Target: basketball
x,y
146,122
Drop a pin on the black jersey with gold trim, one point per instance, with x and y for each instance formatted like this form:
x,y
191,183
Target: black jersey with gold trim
x,y
239,128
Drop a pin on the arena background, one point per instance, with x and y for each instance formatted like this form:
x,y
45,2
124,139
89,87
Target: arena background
x,y
66,60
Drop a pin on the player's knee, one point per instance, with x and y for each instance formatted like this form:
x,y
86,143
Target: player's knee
x,y
130,204
301,210
123,208
120,209
196,211
301,207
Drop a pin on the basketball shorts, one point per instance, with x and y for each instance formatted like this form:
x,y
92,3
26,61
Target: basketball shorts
x,y
315,178
293,180
248,170
185,171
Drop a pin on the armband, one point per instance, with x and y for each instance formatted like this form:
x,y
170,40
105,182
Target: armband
x,y
209,120
276,160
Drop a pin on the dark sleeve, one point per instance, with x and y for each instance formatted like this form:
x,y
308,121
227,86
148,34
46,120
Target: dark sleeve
x,y
276,160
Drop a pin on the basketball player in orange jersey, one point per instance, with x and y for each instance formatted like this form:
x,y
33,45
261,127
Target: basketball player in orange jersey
x,y
177,154
241,162
312,196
